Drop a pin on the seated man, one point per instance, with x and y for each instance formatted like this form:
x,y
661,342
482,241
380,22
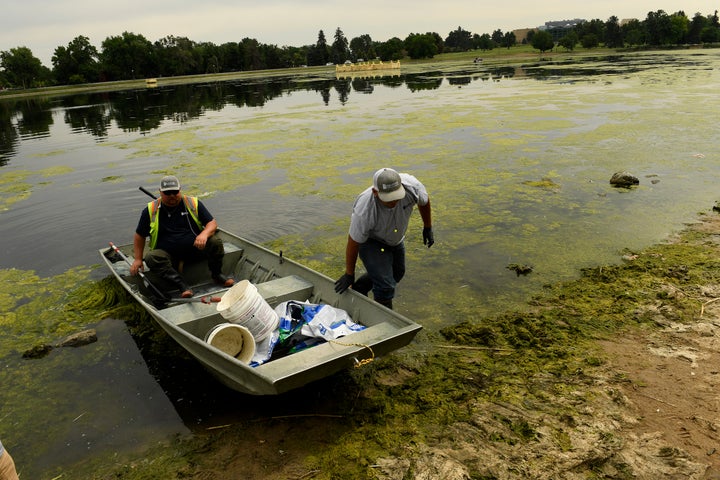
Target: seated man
x,y
180,228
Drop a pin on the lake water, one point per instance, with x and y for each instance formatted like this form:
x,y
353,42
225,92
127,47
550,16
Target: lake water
x,y
517,160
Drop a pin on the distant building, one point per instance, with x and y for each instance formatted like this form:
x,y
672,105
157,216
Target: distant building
x,y
562,24
560,28
557,28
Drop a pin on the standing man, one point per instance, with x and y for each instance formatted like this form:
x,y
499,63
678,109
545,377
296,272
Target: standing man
x,y
180,228
379,220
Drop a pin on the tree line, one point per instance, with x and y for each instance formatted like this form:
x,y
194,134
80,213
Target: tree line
x,y
130,55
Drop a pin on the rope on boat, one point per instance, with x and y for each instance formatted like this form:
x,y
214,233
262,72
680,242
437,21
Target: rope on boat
x,y
358,363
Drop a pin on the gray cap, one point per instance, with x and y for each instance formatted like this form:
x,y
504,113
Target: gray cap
x,y
169,183
388,185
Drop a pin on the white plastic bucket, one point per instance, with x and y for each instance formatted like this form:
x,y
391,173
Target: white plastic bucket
x,y
235,340
243,305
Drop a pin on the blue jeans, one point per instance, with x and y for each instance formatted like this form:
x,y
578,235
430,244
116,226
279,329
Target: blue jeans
x,y
385,266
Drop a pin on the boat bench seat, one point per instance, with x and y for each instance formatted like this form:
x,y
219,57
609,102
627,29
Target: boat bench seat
x,y
283,289
198,318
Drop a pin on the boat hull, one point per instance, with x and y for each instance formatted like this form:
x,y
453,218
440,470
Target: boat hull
x,y
277,279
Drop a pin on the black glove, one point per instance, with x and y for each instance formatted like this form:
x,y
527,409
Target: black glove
x,y
428,237
344,282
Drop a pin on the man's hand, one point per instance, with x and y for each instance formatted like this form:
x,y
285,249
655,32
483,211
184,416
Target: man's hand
x,y
137,266
200,241
428,237
344,282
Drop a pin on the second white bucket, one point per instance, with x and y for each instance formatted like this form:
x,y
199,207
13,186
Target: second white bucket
x,y
243,305
233,339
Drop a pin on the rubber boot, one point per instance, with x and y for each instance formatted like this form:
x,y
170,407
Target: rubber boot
x,y
387,302
363,284
172,276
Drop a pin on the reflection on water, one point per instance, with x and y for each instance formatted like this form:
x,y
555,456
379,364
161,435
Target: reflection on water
x,y
147,109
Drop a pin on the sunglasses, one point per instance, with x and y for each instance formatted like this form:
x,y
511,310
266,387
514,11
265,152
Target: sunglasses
x,y
171,192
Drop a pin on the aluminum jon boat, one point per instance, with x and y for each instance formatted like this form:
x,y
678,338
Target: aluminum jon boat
x,y
277,279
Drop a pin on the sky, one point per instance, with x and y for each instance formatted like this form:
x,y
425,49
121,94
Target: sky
x,y
44,25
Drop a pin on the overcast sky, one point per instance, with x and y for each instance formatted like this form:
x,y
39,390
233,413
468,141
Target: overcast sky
x,y
43,25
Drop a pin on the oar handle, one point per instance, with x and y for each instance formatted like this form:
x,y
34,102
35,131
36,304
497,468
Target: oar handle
x,y
204,299
122,255
147,192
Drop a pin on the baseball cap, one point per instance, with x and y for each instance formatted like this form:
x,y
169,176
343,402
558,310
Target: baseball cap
x,y
388,185
169,183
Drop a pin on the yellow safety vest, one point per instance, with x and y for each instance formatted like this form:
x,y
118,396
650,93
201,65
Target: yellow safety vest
x,y
191,205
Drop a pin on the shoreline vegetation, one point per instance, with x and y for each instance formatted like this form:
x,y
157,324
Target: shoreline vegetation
x,y
555,389
496,56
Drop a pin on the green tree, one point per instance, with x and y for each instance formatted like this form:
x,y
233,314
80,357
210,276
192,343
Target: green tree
x,y
497,37
339,50
209,58
420,46
633,32
319,54
710,34
483,42
127,56
175,56
21,68
362,47
679,28
509,40
697,24
293,56
439,42
251,54
594,27
543,41
590,40
232,57
459,40
530,35
569,41
393,49
613,33
658,27
272,55
76,63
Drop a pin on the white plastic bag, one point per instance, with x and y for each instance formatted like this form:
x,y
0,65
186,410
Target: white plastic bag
x,y
330,323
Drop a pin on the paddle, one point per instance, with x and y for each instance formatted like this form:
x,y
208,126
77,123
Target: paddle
x,y
156,291
144,190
